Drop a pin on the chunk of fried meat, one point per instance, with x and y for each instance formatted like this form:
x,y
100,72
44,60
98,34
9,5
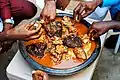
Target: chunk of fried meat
x,y
72,41
37,49
54,29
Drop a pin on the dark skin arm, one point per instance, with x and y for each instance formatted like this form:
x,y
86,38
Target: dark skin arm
x,y
102,27
83,9
19,33
49,11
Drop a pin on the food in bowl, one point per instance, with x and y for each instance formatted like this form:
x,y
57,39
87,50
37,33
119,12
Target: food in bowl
x,y
62,44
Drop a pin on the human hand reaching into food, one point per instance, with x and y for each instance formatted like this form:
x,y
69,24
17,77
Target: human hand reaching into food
x,y
83,9
99,28
39,75
23,32
49,11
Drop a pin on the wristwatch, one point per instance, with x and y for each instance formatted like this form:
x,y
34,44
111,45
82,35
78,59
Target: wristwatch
x,y
9,21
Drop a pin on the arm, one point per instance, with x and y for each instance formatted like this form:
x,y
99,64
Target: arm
x,y
49,11
22,32
83,9
116,25
5,13
102,27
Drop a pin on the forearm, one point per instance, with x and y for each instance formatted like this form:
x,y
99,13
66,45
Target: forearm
x,y
115,25
112,24
8,35
2,36
60,4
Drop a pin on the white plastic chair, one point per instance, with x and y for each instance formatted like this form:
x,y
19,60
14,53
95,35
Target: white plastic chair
x,y
110,33
117,45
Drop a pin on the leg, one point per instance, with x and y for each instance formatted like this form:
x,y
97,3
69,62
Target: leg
x,y
22,9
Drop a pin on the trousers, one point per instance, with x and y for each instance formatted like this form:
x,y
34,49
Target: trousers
x,y
18,9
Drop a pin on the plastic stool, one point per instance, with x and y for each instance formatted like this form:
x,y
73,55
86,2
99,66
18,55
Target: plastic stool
x,y
110,33
117,45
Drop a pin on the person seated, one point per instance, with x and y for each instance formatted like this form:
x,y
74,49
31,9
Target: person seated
x,y
84,9
12,12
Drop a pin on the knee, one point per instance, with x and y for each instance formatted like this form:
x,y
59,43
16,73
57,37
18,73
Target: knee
x,y
30,10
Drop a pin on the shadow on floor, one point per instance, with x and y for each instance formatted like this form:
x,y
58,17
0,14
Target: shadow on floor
x,y
108,67
5,58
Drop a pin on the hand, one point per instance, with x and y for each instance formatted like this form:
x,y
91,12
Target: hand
x,y
62,4
83,9
7,26
39,75
23,32
49,11
100,28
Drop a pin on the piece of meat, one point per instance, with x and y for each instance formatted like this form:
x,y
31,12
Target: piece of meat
x,y
56,58
54,29
37,49
72,41
80,53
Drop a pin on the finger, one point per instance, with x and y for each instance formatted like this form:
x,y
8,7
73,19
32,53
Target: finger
x,y
80,14
76,11
32,37
35,36
28,26
47,20
86,13
37,75
95,37
34,31
52,17
45,17
45,77
82,9
79,17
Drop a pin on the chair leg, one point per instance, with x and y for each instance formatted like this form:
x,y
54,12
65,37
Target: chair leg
x,y
117,45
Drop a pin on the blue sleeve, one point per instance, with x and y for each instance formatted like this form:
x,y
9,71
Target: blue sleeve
x,y
107,3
